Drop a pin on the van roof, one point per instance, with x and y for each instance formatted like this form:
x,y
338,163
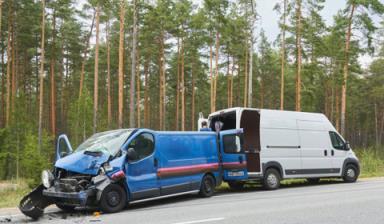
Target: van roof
x,y
270,112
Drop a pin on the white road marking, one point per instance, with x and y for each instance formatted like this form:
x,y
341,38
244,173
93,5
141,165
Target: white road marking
x,y
200,221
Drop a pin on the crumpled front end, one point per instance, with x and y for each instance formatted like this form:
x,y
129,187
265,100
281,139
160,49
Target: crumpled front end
x,y
66,189
71,189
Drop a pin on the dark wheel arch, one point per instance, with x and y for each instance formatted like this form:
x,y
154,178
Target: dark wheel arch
x,y
275,165
351,161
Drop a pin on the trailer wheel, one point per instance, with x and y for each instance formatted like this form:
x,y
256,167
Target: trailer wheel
x,y
113,199
351,173
313,180
236,185
207,188
66,208
271,179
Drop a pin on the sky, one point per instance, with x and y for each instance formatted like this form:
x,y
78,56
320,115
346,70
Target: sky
x,y
268,19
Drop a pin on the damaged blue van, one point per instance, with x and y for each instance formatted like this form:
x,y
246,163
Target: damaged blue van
x,y
114,168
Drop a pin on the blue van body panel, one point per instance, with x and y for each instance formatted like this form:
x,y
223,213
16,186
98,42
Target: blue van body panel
x,y
234,165
178,164
184,158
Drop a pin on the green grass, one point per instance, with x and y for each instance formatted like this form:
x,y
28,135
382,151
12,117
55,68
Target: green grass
x,y
371,162
11,192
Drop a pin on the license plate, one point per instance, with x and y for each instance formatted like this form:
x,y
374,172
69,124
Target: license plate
x,y
236,174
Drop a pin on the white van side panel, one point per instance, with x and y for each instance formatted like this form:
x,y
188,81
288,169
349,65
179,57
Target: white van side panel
x,y
315,153
279,141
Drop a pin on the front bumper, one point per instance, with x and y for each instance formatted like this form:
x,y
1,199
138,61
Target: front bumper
x,y
80,198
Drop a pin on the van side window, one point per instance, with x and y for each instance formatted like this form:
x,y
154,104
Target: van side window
x,y
143,144
337,142
232,143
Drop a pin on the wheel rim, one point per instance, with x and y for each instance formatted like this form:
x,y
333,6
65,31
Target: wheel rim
x,y
272,180
113,198
207,185
351,173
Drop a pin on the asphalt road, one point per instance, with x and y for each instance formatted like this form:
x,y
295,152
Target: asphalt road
x,y
330,202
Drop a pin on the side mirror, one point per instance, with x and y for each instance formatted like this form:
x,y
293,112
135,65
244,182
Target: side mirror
x,y
347,146
132,154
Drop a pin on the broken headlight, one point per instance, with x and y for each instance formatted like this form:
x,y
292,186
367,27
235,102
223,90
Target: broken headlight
x,y
47,178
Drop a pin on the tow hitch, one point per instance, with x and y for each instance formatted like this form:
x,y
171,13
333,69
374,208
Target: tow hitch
x,y
34,203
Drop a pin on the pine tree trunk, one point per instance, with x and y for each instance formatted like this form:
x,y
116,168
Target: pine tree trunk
x,y
261,94
146,92
138,89
3,89
211,74
283,57
9,56
245,79
96,74
298,55
2,112
82,73
52,76
182,87
41,97
238,102
177,87
216,70
193,96
133,68
231,84
162,83
121,64
109,104
345,72
14,74
337,110
228,83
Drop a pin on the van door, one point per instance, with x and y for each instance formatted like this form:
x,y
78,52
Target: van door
x,y
316,153
142,170
233,159
338,151
63,147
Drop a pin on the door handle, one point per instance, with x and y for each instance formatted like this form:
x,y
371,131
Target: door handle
x,y
240,159
332,152
155,162
325,153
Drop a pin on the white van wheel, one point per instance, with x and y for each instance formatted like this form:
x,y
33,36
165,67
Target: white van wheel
x,y
350,173
271,179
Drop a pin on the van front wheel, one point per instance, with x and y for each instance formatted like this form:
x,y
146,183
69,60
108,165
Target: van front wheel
x,y
207,188
113,199
271,179
350,173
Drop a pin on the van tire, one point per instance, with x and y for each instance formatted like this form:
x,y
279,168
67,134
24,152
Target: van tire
x,y
113,199
207,188
236,185
313,180
271,179
351,173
